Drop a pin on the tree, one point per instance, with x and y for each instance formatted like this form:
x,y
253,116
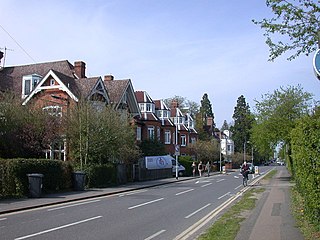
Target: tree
x,y
296,20
225,126
205,128
276,116
100,136
206,150
243,120
184,104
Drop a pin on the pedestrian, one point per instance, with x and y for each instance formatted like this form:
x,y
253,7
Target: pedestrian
x,y
194,167
208,166
200,168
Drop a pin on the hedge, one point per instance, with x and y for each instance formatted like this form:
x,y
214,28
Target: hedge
x,y
14,180
100,175
306,163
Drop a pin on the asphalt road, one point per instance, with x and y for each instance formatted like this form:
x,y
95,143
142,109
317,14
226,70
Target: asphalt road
x,y
162,212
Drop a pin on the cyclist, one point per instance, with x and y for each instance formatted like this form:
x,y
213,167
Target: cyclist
x,y
245,170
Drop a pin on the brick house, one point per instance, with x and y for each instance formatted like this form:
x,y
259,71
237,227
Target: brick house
x,y
57,86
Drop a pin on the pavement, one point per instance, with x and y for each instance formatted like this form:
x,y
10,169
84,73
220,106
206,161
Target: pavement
x,y
270,220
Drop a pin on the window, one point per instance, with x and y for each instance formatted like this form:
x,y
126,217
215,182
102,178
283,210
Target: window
x,y
183,140
27,87
53,110
138,133
151,133
165,114
167,137
158,133
51,82
141,105
193,140
149,108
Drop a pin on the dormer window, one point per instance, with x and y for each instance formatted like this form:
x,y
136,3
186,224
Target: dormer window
x,y
29,83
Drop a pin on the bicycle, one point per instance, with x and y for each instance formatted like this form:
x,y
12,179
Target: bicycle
x,y
245,178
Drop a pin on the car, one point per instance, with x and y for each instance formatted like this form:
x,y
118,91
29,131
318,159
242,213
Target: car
x,y
181,169
251,168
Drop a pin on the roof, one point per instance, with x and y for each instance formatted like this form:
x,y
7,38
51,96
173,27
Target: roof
x,y
116,89
11,77
143,97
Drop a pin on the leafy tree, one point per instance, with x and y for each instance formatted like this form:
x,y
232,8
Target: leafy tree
x,y
277,114
206,150
184,104
298,21
100,136
152,148
243,120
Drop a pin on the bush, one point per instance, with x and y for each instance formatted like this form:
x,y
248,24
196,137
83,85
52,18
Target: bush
x,y
100,175
14,180
306,164
186,161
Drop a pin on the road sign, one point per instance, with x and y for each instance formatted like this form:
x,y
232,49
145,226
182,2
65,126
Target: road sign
x,y
316,63
177,150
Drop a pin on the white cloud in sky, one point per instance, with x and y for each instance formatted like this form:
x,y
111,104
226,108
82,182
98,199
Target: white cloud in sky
x,y
167,47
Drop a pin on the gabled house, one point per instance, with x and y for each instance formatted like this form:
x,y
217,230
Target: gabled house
x,y
185,125
57,86
148,125
168,128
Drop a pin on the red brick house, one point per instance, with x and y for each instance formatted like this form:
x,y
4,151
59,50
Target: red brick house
x,y
57,86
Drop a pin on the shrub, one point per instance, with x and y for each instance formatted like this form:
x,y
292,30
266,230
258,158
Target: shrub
x,y
100,175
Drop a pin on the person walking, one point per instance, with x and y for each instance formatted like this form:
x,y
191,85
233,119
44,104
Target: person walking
x,y
194,167
208,166
200,168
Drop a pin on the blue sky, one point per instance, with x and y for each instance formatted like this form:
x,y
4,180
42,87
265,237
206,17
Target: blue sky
x,y
166,47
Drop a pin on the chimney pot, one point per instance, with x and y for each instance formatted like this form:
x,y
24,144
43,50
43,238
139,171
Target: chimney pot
x,y
108,78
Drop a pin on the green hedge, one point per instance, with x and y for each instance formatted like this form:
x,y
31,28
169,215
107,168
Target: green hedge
x,y
100,175
186,161
14,180
306,163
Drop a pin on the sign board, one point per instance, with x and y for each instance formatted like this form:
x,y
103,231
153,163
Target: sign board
x,y
177,150
256,170
316,63
158,162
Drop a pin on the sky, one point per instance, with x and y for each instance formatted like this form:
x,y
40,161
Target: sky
x,y
166,47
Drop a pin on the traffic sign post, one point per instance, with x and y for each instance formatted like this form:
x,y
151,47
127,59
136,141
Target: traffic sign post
x,y
316,64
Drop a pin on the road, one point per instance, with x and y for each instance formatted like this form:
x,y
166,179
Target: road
x,y
164,212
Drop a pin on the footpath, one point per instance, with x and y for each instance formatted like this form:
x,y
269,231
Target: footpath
x,y
270,220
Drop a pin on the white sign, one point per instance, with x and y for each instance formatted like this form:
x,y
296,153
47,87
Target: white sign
x,y
316,63
159,162
256,170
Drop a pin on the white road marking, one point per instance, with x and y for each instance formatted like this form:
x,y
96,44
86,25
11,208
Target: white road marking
x,y
72,205
238,187
190,215
132,193
206,185
2,219
57,228
236,177
179,193
155,235
142,204
220,180
224,195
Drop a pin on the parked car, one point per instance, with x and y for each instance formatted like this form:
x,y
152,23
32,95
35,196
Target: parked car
x,y
181,169
251,168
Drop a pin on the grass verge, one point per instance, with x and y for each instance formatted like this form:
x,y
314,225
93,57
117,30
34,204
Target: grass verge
x,y
228,225
309,231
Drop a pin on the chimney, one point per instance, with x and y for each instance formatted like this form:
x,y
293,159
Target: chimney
x,y
80,69
174,103
108,78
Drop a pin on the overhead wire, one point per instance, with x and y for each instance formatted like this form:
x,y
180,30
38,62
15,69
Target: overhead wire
x,y
18,44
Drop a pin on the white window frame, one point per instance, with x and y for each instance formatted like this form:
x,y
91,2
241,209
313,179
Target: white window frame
x,y
183,140
53,110
138,133
167,137
151,133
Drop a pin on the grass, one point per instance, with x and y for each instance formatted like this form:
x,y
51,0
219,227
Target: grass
x,y
309,231
228,225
